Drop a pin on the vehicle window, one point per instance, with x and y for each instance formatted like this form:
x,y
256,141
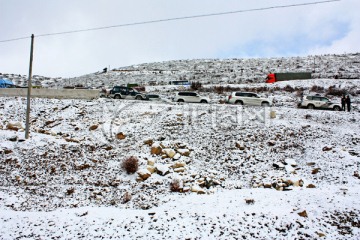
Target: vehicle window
x,y
316,98
192,94
238,94
182,94
309,97
324,100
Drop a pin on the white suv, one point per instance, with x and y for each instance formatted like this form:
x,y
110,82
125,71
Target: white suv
x,y
191,97
248,98
318,101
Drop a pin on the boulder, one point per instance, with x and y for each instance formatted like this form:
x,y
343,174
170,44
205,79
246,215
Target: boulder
x,y
178,164
196,188
144,174
169,152
156,149
298,183
150,168
151,162
15,126
184,152
162,169
180,169
148,142
177,156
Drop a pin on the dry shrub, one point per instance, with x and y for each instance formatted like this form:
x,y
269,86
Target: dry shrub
x,y
70,191
175,185
126,198
317,89
335,91
196,86
130,165
288,88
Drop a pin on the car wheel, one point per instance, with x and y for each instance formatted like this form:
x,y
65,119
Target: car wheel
x,y
265,104
239,103
203,101
310,106
180,100
138,98
337,108
117,97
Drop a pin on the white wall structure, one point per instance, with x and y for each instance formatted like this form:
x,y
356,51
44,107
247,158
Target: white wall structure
x,y
51,93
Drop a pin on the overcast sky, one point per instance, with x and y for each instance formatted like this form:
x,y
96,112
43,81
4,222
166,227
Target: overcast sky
x,y
279,32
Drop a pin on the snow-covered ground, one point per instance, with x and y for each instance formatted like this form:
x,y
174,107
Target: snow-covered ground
x,y
242,172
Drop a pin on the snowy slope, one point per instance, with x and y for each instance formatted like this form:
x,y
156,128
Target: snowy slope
x,y
242,173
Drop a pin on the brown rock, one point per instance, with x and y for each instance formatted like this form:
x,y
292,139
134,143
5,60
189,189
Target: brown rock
x,y
14,126
120,136
149,142
326,148
310,186
93,127
156,149
303,214
315,170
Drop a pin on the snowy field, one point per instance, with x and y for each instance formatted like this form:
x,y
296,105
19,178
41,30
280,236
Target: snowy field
x,y
242,172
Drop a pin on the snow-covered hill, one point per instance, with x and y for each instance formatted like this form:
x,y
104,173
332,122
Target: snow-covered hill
x,y
205,171
208,71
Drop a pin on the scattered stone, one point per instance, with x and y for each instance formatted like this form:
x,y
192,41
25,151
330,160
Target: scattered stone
x,y
315,170
184,152
327,148
303,214
180,169
15,126
144,174
162,169
169,152
278,165
93,127
151,169
156,149
148,142
151,162
298,183
310,186
271,143
291,162
178,164
120,136
240,146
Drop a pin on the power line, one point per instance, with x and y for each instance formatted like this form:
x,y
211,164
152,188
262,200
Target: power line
x,y
172,19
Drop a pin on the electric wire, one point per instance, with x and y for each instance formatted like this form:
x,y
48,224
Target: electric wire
x,y
172,19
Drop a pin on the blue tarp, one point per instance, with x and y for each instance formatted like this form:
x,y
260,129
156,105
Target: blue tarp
x,y
5,83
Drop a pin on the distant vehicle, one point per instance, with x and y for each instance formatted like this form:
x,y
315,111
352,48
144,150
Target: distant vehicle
x,y
277,77
248,98
191,97
180,82
319,102
6,83
122,92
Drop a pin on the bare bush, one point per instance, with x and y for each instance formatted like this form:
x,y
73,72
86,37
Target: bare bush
x,y
317,89
126,198
175,185
196,86
130,165
332,90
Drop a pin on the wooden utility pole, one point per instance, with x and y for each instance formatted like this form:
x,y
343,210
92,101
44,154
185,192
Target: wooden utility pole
x,y
29,89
